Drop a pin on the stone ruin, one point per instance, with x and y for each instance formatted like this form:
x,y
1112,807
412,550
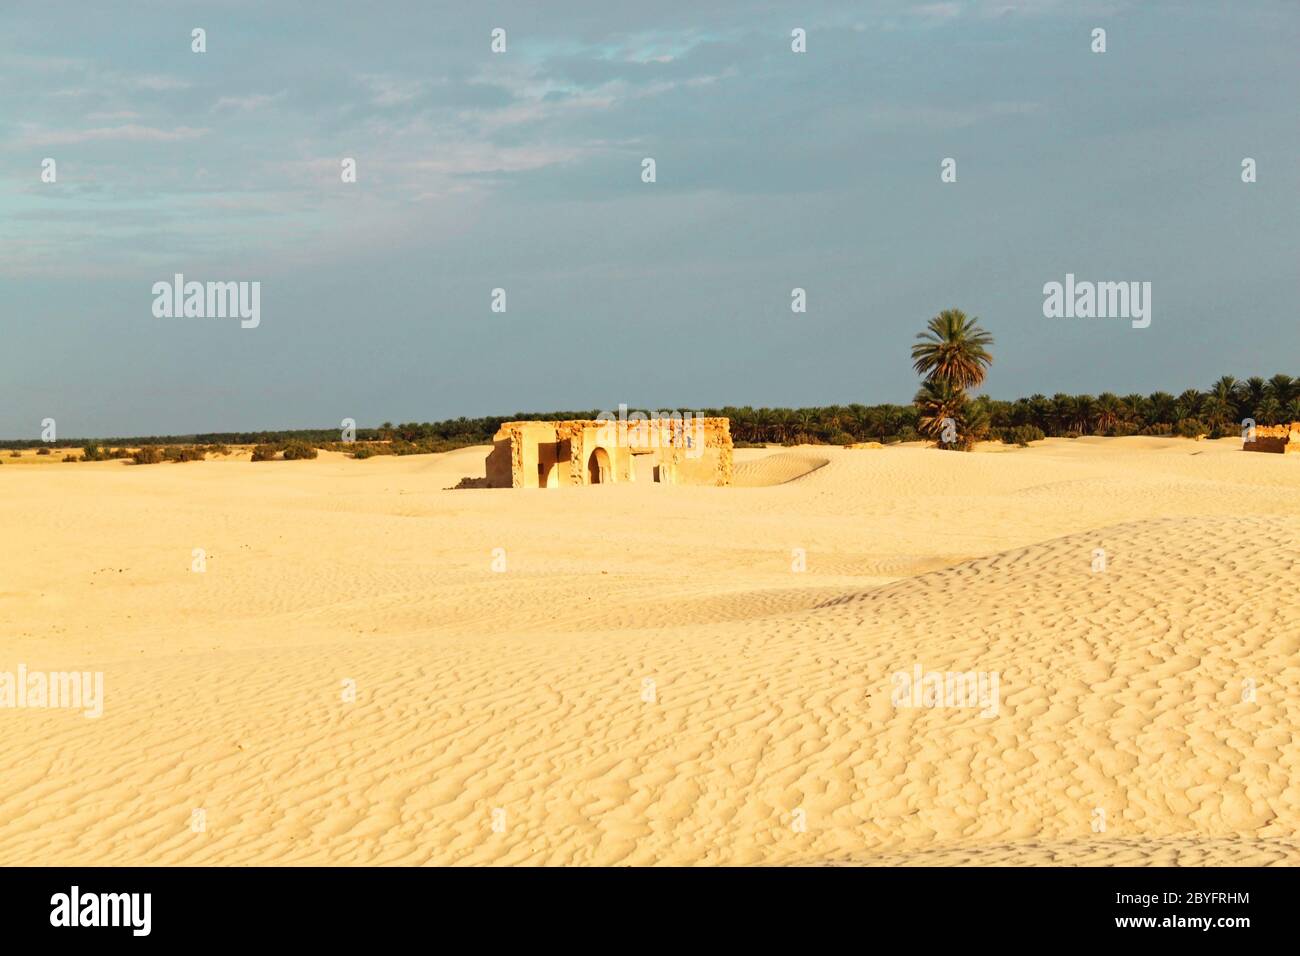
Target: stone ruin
x,y
680,450
1282,439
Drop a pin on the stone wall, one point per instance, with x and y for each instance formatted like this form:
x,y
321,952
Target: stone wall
x,y
689,451
1280,439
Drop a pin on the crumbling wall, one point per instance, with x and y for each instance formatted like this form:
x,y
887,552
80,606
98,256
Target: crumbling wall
x,y
1280,439
689,451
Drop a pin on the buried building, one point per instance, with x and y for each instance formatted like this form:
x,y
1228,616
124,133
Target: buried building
x,y
1282,439
686,450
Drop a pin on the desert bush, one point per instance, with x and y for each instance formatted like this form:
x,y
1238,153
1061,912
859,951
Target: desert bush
x,y
219,449
71,458
1190,428
265,452
1020,435
93,453
363,451
1160,428
15,454
841,438
1070,434
43,450
148,455
298,451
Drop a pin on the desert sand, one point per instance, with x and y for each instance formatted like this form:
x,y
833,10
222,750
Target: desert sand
x,y
523,698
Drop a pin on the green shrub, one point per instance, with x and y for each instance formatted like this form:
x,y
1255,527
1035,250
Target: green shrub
x,y
148,455
43,450
1020,435
1190,428
363,451
298,451
265,452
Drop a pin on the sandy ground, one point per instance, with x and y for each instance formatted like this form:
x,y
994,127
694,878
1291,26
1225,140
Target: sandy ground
x,y
648,680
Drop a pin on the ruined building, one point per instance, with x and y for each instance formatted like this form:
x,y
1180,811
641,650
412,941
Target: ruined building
x,y
685,450
1284,439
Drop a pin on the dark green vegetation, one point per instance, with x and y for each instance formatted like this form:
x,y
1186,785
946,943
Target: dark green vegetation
x,y
1217,411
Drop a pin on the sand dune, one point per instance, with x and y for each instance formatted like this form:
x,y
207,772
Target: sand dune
x,y
776,469
1163,691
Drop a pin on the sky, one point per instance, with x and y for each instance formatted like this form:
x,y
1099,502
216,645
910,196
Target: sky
x,y
522,170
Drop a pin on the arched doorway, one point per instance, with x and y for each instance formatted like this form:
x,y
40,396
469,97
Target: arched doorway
x,y
598,470
548,475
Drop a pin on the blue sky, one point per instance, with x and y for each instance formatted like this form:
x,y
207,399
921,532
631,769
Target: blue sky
x,y
522,171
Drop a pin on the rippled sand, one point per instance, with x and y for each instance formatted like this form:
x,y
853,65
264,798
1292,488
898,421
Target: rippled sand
x,y
649,681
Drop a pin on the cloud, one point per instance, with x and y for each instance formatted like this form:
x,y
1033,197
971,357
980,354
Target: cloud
x,y
386,90
254,101
131,132
157,83
112,116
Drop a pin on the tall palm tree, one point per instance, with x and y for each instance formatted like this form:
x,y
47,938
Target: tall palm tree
x,y
939,401
1283,388
1085,414
1161,407
1220,405
953,349
1253,391
1109,411
1188,404
1268,411
1135,409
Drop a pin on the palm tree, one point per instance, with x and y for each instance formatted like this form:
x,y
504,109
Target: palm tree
x,y
1188,404
1220,405
1161,405
1135,409
1282,387
1253,391
953,349
1109,410
1085,414
939,402
1268,411
806,418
